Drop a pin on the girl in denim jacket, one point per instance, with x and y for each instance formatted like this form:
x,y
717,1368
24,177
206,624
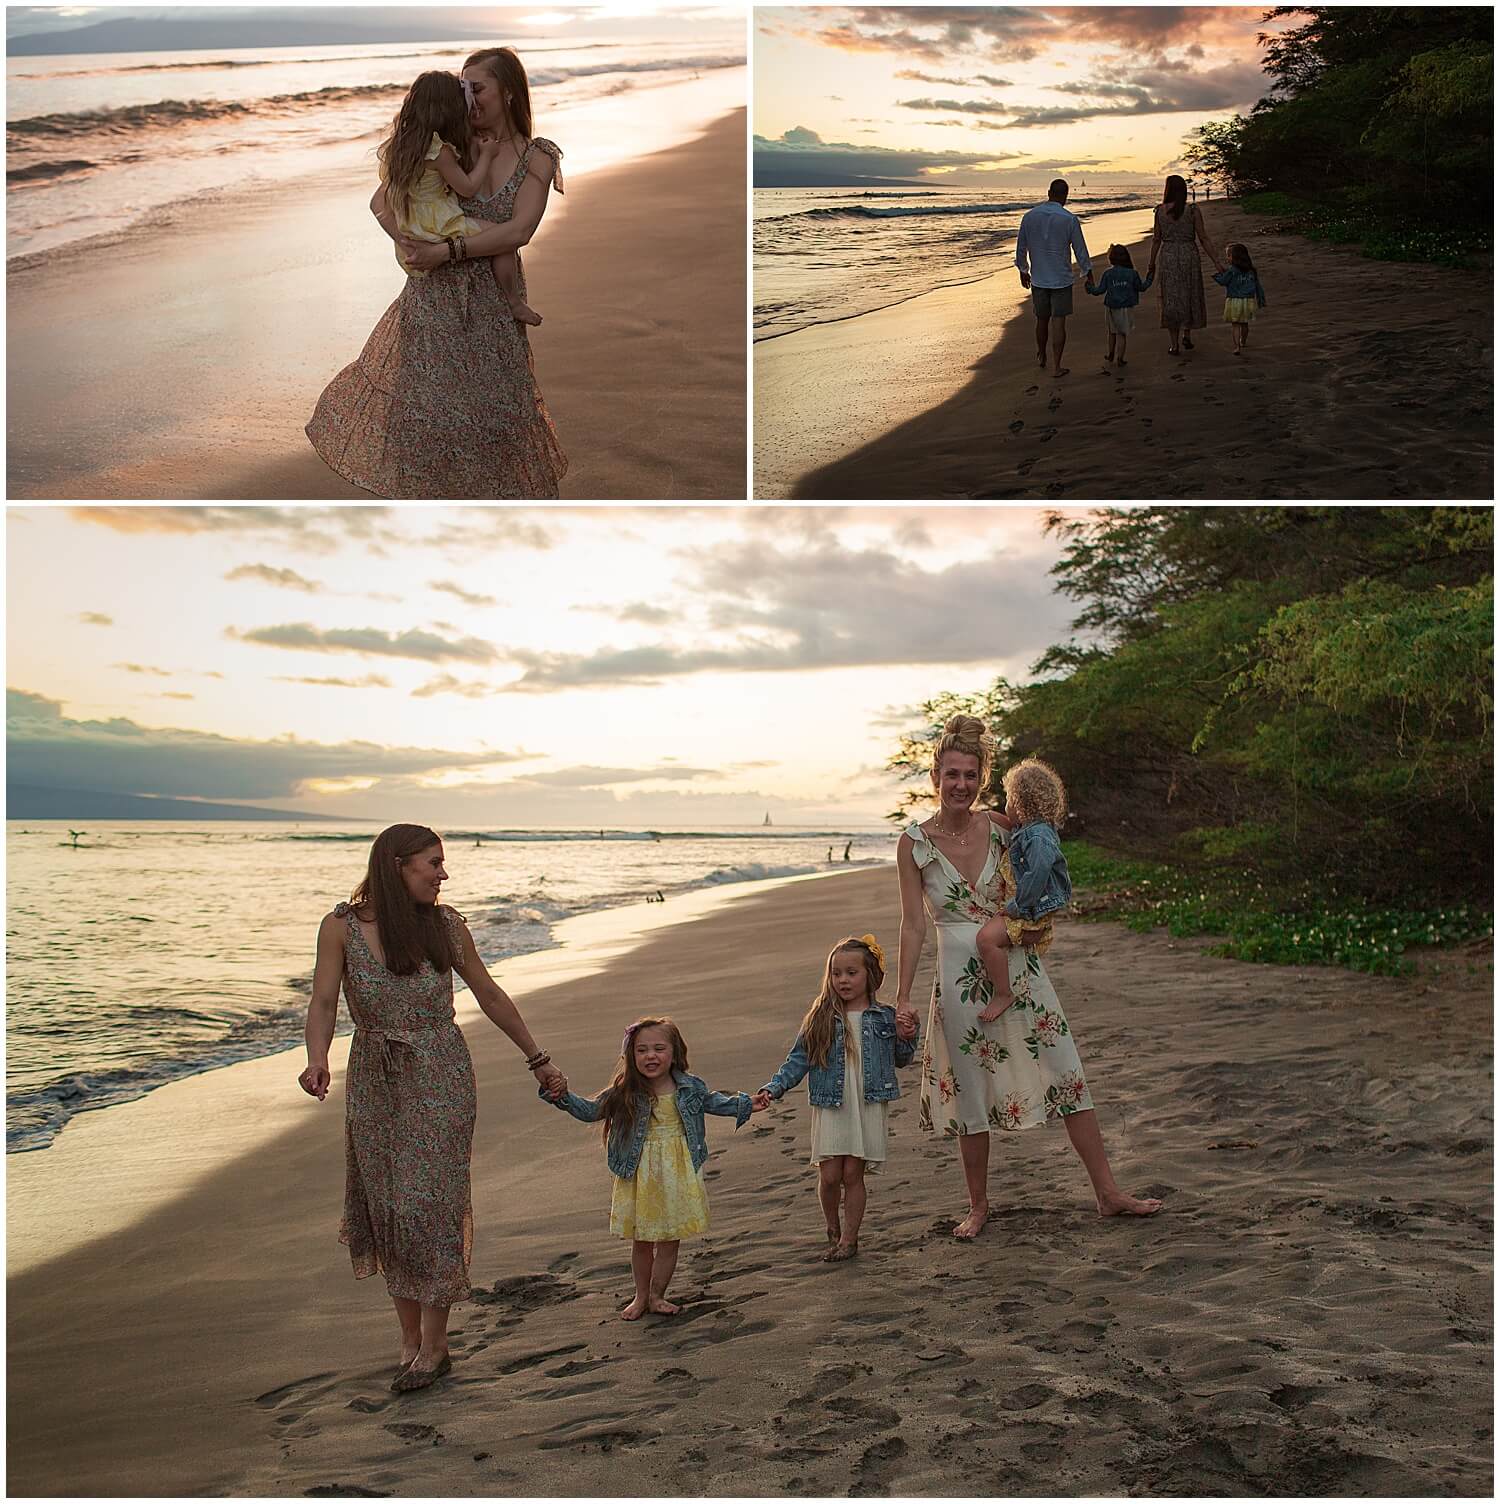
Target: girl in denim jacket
x,y
1034,871
655,1148
850,1043
1243,294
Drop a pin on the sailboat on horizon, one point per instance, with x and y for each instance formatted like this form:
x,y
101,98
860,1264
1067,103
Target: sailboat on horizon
x,y
767,820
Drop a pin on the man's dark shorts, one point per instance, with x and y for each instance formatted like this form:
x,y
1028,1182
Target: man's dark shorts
x,y
1052,302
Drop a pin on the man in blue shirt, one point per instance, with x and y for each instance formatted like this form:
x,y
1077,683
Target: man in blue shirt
x,y
1046,236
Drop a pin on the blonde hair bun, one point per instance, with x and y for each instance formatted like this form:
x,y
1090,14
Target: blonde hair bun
x,y
969,736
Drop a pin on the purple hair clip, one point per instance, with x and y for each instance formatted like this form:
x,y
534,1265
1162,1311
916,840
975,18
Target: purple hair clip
x,y
625,1040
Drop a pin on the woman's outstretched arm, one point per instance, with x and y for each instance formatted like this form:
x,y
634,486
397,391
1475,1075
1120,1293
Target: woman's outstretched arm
x,y
502,1012
1201,232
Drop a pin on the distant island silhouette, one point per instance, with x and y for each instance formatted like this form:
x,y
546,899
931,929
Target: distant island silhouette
x,y
29,802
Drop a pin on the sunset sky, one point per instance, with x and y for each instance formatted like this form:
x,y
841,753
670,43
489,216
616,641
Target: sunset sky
x,y
564,666
974,97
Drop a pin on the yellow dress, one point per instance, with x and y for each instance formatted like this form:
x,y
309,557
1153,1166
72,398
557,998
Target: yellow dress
x,y
1016,928
432,210
665,1200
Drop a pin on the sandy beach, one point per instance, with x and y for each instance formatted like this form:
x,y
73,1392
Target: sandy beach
x,y
1364,380
1310,1314
182,361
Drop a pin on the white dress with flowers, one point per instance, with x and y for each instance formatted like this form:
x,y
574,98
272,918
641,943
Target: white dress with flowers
x,y
1023,1068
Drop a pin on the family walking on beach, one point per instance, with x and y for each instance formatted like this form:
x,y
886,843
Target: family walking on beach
x,y
1050,239
997,1053
443,401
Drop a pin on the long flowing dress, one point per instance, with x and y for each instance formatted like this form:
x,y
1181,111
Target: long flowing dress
x,y
408,1127
443,400
1022,1068
1179,272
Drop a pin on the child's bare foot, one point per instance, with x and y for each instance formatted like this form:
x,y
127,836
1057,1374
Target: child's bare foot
x,y
635,1310
996,1008
973,1224
1118,1204
659,1305
524,314
1060,371
1120,361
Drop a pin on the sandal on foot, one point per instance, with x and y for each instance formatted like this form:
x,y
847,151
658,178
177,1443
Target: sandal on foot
x,y
412,1377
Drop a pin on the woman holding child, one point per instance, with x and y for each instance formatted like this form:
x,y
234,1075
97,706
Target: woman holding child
x,y
443,400
994,1057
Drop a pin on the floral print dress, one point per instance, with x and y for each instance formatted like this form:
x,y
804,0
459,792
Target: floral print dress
x,y
1023,1068
408,1126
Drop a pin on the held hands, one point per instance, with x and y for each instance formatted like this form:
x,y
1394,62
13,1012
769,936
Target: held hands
x,y
906,1021
314,1081
551,1080
760,1101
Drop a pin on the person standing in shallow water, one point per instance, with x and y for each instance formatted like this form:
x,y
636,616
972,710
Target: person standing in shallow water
x,y
1047,234
1023,1068
409,1089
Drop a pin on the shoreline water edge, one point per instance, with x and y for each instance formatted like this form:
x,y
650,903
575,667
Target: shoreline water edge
x,y
198,1019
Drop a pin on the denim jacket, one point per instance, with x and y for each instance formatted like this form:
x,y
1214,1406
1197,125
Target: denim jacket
x,y
1238,284
1042,882
693,1100
882,1053
1121,286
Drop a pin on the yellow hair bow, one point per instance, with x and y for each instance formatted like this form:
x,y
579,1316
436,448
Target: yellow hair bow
x,y
875,949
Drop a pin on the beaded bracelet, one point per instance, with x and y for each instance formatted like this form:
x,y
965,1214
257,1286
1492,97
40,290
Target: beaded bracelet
x,y
537,1061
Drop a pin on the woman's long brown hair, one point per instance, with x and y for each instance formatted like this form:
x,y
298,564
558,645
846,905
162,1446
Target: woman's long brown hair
x,y
435,102
623,1094
410,933
818,1023
509,72
1174,195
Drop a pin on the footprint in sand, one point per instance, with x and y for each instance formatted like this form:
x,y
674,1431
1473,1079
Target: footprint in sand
x,y
1031,391
1054,488
1017,426
1054,404
1047,433
533,1360
1024,468
1179,377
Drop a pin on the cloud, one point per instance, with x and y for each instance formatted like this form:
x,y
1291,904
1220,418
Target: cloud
x,y
174,694
961,34
446,684
1162,88
642,613
46,749
95,619
958,83
598,778
413,643
849,160
284,579
469,598
145,668
317,529
369,681
828,605
961,106
799,135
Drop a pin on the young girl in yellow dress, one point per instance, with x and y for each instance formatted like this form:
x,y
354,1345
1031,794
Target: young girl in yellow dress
x,y
422,169
655,1148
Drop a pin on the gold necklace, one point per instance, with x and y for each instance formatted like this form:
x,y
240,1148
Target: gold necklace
x,y
950,835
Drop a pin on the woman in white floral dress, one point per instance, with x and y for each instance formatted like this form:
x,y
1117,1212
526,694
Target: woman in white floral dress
x,y
1023,1068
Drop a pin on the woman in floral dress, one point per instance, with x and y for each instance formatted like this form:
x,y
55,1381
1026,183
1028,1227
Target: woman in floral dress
x,y
1023,1068
443,400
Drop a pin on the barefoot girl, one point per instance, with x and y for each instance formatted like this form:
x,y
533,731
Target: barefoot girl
x,y
852,1045
1122,287
1243,294
422,168
655,1148
1035,804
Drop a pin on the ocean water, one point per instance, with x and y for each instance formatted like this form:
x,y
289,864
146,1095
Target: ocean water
x,y
157,950
825,254
97,142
